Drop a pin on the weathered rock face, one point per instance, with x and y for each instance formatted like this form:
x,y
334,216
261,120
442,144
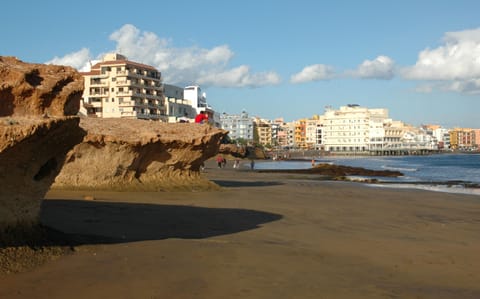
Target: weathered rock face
x,y
32,152
233,150
35,135
38,89
128,154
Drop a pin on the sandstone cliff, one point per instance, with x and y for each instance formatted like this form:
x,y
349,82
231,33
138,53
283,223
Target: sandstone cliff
x,y
38,89
121,154
32,152
33,144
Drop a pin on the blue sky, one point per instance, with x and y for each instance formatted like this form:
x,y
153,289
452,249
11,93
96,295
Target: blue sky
x,y
290,59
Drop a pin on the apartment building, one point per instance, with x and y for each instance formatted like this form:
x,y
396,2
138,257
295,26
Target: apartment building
x,y
239,126
198,100
313,133
264,131
300,137
119,88
463,139
353,129
176,105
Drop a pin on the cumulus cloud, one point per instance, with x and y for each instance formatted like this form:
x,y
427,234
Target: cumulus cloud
x,y
240,77
381,67
79,60
182,66
314,72
457,59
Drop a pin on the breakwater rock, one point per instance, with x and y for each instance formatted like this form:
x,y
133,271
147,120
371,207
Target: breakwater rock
x,y
129,154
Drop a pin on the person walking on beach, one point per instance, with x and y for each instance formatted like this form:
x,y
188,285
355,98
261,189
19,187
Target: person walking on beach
x,y
219,161
252,164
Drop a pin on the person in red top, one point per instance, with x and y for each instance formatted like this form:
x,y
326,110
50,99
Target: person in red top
x,y
201,118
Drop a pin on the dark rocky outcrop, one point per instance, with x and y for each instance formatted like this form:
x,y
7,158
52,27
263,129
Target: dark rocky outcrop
x,y
339,171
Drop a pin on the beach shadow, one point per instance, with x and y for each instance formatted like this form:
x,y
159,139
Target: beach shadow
x,y
231,183
90,222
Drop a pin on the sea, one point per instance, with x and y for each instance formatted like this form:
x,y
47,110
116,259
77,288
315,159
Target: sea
x,y
454,173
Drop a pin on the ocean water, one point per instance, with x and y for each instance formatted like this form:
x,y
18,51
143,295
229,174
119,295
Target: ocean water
x,y
442,172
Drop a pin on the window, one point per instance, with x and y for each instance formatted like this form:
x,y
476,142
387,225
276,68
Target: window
x,y
113,100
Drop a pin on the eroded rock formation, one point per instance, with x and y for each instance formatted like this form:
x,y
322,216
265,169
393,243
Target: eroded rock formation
x,y
40,139
32,152
35,133
127,154
38,89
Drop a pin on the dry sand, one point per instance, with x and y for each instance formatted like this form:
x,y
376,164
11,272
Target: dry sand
x,y
261,236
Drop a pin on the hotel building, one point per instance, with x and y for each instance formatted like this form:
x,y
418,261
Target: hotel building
x,y
117,87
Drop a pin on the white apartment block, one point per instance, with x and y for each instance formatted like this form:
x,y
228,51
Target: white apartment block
x,y
354,129
198,100
239,126
119,88
314,131
176,104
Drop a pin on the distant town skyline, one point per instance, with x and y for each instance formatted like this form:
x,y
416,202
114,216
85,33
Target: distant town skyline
x,y
418,59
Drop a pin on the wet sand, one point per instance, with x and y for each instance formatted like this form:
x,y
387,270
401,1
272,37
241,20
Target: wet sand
x,y
262,236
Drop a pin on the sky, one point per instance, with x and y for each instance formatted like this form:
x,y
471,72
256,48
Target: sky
x,y
290,59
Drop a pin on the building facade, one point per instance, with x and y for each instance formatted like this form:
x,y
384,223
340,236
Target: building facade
x,y
239,126
119,88
353,129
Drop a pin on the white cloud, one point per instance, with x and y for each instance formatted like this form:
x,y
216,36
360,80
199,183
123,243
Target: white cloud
x,y
381,67
471,86
78,60
240,77
314,72
457,59
182,66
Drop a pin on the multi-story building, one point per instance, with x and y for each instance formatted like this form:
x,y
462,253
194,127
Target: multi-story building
x,y
239,126
198,100
264,131
353,129
462,139
117,87
313,133
300,134
176,104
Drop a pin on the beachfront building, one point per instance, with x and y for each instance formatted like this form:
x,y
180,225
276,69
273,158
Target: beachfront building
x,y
353,129
119,88
177,106
441,135
300,134
463,139
264,131
417,140
290,129
358,130
198,100
279,132
240,126
313,133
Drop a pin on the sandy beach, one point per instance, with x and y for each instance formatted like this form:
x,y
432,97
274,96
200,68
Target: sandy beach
x,y
261,236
